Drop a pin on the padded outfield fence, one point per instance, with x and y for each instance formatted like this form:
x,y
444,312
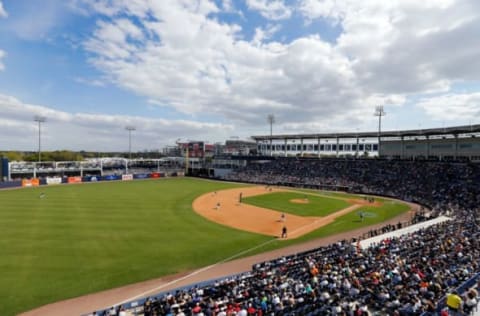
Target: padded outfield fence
x,y
35,182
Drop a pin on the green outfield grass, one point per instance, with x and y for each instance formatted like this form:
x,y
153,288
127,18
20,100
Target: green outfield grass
x,y
281,201
84,238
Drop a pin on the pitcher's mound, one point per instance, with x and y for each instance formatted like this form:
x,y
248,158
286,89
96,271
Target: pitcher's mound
x,y
300,201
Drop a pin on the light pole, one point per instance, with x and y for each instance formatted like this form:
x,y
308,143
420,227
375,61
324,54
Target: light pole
x,y
379,112
40,120
271,120
130,129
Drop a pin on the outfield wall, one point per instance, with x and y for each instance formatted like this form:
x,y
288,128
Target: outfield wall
x,y
10,184
36,182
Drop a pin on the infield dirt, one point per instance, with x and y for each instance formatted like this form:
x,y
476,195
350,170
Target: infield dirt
x,y
224,207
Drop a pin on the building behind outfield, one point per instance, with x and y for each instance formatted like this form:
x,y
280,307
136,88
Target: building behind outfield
x,y
457,143
452,143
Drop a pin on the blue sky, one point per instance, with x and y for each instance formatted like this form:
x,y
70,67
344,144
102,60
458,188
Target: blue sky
x,y
209,70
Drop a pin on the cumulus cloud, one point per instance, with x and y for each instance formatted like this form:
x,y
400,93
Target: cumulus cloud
x,y
182,56
405,46
451,106
64,130
198,65
263,34
271,9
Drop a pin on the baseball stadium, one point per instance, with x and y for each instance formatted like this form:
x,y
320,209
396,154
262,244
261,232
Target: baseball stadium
x,y
273,234
239,158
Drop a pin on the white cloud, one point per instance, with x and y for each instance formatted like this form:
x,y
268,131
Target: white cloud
x,y
199,65
3,13
271,9
227,6
2,54
449,107
405,46
64,130
182,56
264,34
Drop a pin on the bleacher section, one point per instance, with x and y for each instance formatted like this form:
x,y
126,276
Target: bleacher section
x,y
397,274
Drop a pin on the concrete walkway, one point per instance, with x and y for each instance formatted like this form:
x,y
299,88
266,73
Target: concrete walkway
x,y
396,233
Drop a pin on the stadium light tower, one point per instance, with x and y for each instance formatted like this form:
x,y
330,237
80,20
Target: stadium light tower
x,y
130,129
271,120
379,112
39,119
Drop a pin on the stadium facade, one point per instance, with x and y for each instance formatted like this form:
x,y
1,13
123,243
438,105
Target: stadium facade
x,y
451,143
457,143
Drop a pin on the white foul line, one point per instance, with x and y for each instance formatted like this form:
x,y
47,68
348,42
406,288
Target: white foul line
x,y
194,273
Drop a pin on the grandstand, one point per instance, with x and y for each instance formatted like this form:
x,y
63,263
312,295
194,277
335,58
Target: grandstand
x,y
450,143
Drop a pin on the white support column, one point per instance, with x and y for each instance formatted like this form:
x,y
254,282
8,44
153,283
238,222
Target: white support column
x,y
337,144
286,155
318,147
358,143
301,147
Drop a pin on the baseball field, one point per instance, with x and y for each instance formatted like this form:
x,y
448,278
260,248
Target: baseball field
x,y
63,241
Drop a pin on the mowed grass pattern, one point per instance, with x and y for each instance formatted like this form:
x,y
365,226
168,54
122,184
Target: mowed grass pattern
x,y
281,201
85,238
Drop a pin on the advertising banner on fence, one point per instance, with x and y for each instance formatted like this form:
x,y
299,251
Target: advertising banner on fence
x,y
141,176
10,184
74,179
30,182
53,180
156,175
112,177
127,177
91,179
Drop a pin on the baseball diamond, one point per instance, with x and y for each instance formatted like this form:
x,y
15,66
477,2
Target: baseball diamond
x,y
110,233
239,158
